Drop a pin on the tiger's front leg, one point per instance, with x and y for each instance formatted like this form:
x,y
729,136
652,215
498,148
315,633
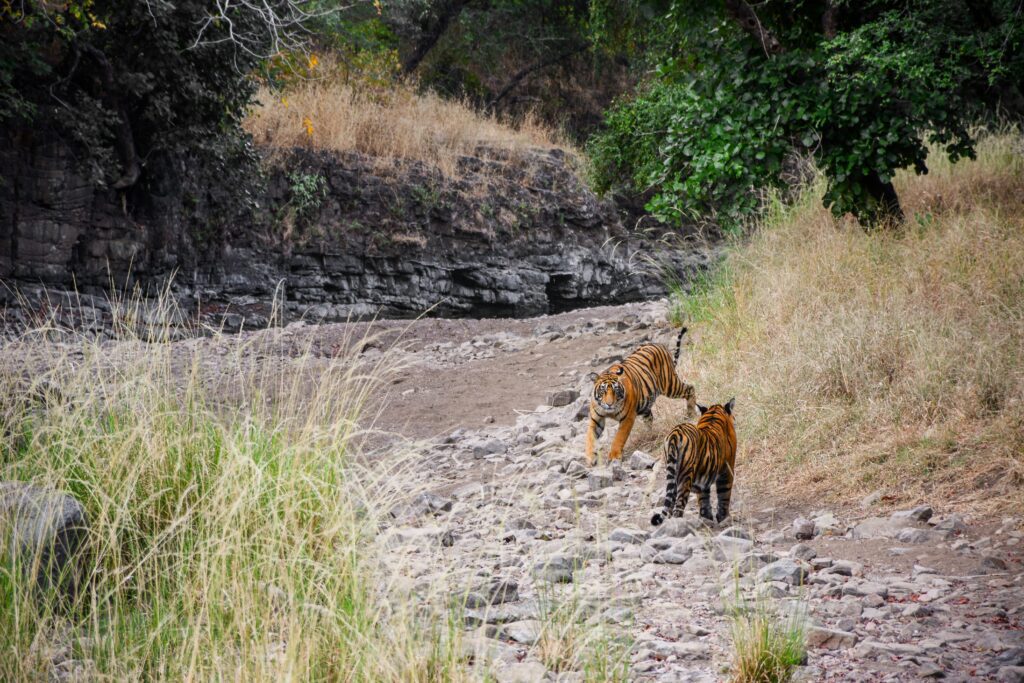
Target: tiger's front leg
x,y
594,431
625,427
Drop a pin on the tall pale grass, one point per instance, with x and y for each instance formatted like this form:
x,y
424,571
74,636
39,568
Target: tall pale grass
x,y
228,540
394,122
888,360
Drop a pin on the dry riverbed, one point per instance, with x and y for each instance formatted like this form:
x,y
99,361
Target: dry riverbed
x,y
495,507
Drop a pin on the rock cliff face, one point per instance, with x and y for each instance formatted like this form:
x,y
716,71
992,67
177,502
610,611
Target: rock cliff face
x,y
335,236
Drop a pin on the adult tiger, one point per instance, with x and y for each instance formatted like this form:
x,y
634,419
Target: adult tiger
x,y
629,388
697,455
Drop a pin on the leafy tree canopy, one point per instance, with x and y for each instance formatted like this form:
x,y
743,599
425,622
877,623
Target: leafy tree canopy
x,y
136,85
860,87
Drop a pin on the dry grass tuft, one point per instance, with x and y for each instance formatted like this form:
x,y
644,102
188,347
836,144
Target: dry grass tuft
x,y
883,360
767,648
228,540
393,122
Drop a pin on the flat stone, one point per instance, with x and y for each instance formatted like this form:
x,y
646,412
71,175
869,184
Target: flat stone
x,y
913,536
497,592
640,461
526,632
873,527
518,524
557,568
683,649
482,649
922,513
871,499
864,588
624,535
874,601
520,672
786,570
874,647
951,524
433,502
577,470
916,610
731,548
673,555
736,532
827,524
829,639
673,527
845,568
803,529
562,397
501,614
1010,674
488,447
700,565
993,562
600,478
802,551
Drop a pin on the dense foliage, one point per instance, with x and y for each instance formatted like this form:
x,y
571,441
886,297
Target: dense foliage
x,y
859,87
141,91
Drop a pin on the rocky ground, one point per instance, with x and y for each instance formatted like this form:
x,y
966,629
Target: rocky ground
x,y
496,511
508,515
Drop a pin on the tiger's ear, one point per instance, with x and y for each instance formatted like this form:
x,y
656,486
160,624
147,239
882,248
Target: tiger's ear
x,y
592,377
702,409
619,370
729,405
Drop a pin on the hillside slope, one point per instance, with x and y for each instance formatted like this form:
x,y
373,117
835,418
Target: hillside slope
x,y
891,360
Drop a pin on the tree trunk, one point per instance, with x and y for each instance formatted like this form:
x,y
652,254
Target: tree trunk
x,y
446,14
885,207
523,73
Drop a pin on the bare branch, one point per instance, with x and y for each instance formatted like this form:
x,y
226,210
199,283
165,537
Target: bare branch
x,y
273,26
747,18
537,66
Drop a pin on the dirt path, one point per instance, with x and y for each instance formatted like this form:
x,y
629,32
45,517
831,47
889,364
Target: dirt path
x,y
498,493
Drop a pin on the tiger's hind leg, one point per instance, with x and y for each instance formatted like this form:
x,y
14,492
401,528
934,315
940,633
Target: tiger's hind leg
x,y
704,491
681,498
723,489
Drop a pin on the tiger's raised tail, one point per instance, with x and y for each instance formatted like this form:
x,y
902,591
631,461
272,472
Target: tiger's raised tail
x,y
679,344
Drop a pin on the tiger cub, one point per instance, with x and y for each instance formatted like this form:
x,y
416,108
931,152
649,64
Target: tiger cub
x,y
697,455
629,388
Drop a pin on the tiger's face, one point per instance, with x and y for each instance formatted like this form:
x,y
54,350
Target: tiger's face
x,y
609,392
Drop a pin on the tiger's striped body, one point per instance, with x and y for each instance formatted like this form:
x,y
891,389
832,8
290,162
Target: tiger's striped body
x,y
697,456
629,388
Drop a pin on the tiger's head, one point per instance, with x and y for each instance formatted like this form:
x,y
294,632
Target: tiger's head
x,y
722,411
609,389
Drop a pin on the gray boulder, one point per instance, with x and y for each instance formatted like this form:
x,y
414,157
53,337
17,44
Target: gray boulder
x,y
46,530
673,527
640,461
922,513
562,397
785,570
